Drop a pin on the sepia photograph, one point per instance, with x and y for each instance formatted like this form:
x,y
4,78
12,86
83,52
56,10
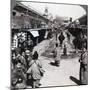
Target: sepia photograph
x,y
49,44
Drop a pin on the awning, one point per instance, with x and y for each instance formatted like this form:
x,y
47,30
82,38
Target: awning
x,y
34,33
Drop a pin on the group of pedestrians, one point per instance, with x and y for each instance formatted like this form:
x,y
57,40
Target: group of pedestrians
x,y
26,68
83,60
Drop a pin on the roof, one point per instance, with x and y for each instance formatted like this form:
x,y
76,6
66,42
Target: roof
x,y
32,10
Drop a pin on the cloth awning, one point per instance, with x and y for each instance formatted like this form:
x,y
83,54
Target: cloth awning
x,y
34,33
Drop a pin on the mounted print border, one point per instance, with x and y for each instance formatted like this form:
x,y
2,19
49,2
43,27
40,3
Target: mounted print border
x,y
48,44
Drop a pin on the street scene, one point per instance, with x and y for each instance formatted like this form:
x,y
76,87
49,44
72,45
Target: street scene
x,y
48,46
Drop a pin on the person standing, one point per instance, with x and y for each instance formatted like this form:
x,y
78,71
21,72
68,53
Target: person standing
x,y
28,57
84,66
65,50
35,71
57,55
30,44
61,38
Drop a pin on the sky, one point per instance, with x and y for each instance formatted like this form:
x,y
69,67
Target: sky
x,y
62,10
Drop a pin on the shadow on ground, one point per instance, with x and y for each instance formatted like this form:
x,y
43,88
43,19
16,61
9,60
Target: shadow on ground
x,y
75,80
52,63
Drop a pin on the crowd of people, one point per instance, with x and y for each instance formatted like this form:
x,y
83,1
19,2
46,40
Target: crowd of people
x,y
26,68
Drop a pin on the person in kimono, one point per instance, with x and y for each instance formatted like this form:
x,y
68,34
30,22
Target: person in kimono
x,y
61,38
28,57
57,55
35,70
84,66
